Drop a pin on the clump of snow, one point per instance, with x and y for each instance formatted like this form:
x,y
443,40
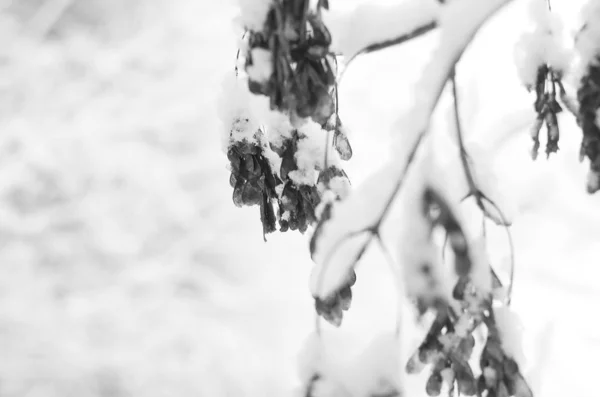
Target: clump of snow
x,y
371,23
327,197
456,32
279,127
253,13
238,121
340,185
334,264
273,158
376,370
261,68
373,371
416,247
310,154
542,45
511,333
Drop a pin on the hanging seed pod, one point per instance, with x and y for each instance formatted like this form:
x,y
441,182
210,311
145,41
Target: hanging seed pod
x,y
465,348
466,382
500,373
345,296
593,181
553,133
414,364
535,135
449,221
332,308
433,387
340,138
252,180
449,376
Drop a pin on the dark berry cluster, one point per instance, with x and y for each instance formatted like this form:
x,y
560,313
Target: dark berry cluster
x,y
302,77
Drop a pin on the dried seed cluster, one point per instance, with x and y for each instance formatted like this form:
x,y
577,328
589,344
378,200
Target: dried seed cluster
x,y
292,50
500,375
449,344
546,107
256,183
288,60
252,180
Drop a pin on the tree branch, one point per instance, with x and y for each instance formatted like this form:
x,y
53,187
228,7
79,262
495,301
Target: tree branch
x,y
456,35
464,156
417,32
477,193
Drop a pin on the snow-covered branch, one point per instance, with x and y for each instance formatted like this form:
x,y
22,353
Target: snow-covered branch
x,y
370,27
362,213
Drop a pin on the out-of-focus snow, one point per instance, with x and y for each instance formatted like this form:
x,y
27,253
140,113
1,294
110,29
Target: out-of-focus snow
x,y
511,333
251,14
126,270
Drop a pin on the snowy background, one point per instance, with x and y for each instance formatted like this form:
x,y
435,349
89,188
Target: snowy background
x,y
125,268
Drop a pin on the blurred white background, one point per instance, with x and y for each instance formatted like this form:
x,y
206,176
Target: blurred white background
x,y
126,270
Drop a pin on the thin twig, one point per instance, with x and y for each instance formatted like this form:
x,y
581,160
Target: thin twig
x,y
430,105
237,55
511,279
479,196
566,100
417,32
464,155
394,269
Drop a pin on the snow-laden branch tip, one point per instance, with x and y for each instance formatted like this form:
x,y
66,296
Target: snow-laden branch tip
x,y
369,24
360,215
543,45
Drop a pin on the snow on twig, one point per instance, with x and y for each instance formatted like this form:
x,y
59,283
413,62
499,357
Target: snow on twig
x,y
370,26
361,214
